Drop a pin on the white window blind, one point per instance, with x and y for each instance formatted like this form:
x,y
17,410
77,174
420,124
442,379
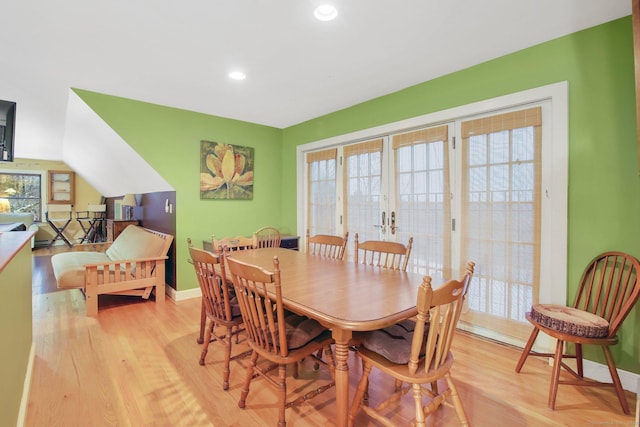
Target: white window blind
x,y
423,206
500,218
321,209
362,188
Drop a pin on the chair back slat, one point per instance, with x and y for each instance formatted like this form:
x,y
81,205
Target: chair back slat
x,y
259,294
326,245
627,287
267,237
628,282
210,272
438,311
609,288
392,255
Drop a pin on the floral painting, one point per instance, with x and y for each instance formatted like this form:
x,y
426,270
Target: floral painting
x,y
226,171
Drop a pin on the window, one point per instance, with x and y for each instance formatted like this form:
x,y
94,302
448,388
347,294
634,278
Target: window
x,y
21,192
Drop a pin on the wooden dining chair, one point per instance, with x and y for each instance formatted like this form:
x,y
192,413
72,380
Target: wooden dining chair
x,y
608,290
327,245
237,243
279,337
381,253
220,306
416,353
267,237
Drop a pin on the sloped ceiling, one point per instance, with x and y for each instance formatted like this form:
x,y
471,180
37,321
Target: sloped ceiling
x,y
107,163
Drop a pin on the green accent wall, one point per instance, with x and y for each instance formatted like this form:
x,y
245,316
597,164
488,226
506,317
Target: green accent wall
x,y
604,188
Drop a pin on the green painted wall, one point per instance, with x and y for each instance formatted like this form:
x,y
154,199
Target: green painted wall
x,y
604,188
169,139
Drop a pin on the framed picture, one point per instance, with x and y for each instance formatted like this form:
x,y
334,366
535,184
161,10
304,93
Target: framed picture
x,y
226,171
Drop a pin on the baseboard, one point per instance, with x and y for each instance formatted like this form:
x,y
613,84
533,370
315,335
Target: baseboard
x,y
26,388
490,334
182,295
600,372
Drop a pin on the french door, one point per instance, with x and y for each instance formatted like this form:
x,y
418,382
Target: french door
x,y
465,190
421,196
398,187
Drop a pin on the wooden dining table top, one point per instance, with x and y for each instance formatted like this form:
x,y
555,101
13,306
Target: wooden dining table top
x,y
340,293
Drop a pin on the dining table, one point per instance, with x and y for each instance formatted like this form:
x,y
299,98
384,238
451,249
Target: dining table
x,y
344,297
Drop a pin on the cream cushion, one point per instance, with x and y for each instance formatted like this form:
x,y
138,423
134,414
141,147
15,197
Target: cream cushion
x,y
69,267
135,242
23,217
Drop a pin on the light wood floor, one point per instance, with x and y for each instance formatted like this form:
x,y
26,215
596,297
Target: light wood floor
x,y
137,365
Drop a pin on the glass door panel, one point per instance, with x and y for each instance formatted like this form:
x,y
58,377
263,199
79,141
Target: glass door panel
x,y
363,191
420,207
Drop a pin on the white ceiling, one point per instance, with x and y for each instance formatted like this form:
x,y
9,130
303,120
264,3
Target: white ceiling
x,y
179,53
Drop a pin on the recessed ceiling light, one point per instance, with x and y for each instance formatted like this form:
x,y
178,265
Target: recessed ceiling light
x,y
237,75
325,12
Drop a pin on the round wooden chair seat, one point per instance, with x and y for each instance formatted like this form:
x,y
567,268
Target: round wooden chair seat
x,y
570,320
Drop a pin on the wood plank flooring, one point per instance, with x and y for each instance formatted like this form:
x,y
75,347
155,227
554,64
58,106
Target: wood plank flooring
x,y
137,365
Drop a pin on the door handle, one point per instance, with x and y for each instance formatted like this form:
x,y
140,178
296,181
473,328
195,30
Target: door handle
x,y
382,226
393,222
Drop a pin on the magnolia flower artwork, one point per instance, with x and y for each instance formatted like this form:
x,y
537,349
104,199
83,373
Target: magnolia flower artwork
x,y
226,171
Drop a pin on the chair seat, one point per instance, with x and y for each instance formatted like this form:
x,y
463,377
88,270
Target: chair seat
x,y
570,320
393,342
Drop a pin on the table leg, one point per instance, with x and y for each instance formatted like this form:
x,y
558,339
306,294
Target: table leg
x,y
342,339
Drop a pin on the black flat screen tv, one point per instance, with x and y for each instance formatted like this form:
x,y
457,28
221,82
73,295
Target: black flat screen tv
x,y
7,130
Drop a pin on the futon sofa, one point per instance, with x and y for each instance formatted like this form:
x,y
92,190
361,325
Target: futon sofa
x,y
133,264
25,218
